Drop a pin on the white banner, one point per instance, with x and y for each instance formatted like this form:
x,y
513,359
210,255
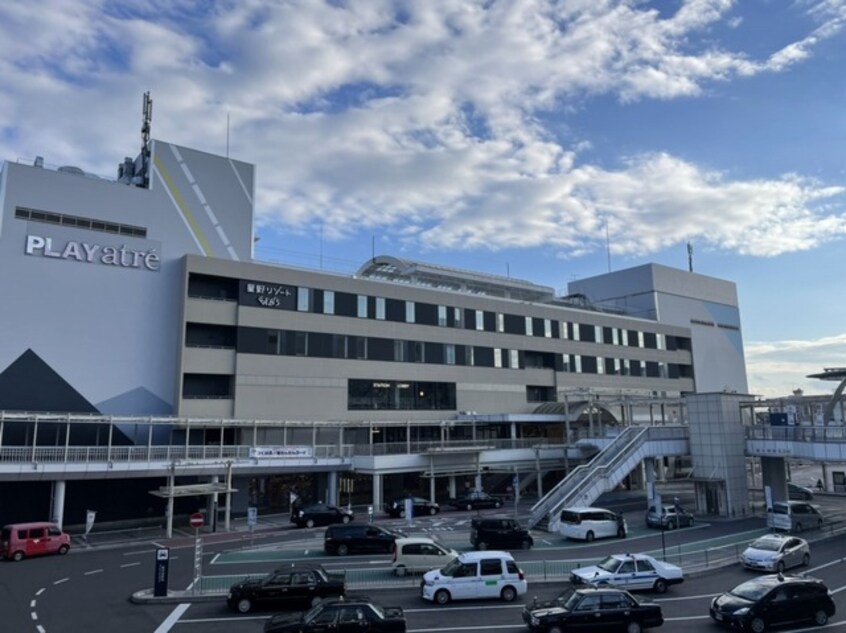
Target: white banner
x,y
276,452
90,515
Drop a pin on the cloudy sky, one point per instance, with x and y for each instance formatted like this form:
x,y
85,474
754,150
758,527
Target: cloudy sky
x,y
548,140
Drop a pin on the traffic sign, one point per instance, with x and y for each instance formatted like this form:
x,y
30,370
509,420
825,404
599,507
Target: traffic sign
x,y
196,520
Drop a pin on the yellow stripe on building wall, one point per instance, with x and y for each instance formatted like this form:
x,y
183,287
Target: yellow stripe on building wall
x,y
183,208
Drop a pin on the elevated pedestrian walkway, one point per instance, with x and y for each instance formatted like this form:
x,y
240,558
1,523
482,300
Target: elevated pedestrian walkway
x,y
616,459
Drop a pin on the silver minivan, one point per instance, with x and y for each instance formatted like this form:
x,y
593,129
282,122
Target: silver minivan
x,y
418,554
795,516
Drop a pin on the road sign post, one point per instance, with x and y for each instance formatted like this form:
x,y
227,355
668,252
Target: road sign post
x,y
162,564
196,521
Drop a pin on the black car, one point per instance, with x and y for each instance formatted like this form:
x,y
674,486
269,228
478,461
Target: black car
x,y
475,500
498,533
297,587
757,604
589,609
355,539
320,514
421,506
353,615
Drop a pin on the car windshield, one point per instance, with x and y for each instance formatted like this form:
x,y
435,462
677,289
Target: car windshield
x,y
767,544
378,610
567,596
312,613
610,564
751,590
451,567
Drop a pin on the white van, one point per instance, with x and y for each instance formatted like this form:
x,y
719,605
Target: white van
x,y
475,575
586,524
416,555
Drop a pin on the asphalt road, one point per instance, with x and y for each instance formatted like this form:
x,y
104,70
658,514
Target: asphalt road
x,y
87,591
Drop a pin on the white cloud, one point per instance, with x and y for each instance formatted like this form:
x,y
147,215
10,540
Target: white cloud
x,y
421,119
776,368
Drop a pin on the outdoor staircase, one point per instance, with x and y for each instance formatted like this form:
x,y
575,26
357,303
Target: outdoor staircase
x,y
618,457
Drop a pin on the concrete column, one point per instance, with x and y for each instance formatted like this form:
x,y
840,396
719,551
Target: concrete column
x,y
451,486
333,488
377,492
212,505
57,513
825,476
649,474
513,430
774,475
432,488
659,463
539,475
171,482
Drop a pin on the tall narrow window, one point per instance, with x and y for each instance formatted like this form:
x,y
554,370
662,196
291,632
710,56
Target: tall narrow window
x,y
409,312
442,316
547,328
449,350
480,320
564,329
597,333
576,328
515,359
640,342
362,307
456,317
469,356
399,351
577,363
328,302
500,322
615,336
529,328
303,299
380,308
497,357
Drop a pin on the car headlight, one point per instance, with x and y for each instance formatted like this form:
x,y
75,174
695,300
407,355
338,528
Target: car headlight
x,y
535,621
742,611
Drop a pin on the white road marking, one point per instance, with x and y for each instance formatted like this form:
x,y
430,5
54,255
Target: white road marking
x,y
699,597
40,628
829,564
40,591
130,565
92,572
173,618
34,615
32,604
60,581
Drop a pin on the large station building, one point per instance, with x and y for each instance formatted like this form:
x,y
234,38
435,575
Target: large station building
x,y
139,297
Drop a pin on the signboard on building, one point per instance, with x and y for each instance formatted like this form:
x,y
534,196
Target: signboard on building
x,y
281,452
267,295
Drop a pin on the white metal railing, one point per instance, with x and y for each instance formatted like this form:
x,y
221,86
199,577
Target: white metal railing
x,y
797,433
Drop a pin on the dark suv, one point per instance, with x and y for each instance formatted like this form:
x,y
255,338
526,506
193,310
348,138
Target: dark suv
x,y
499,533
758,604
354,539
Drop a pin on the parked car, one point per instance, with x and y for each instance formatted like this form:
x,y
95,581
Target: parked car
x,y
775,553
420,507
592,609
795,516
774,599
800,493
297,587
475,500
586,524
499,533
320,514
475,575
358,539
416,555
669,517
361,615
23,540
629,571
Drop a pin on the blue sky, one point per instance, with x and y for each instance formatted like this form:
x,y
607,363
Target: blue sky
x,y
507,137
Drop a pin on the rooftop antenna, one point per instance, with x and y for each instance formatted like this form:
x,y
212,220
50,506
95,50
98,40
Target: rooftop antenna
x,y
690,256
146,120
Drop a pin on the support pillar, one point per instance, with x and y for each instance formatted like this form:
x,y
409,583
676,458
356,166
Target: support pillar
x,y
432,488
377,492
774,475
649,476
57,505
451,486
332,493
171,482
212,504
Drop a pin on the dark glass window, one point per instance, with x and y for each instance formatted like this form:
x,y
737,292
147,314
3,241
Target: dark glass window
x,y
199,386
650,341
209,335
209,287
400,395
426,314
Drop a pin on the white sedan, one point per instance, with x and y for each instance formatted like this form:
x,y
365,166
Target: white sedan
x,y
631,572
776,552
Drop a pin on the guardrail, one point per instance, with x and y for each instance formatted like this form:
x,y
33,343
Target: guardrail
x,y
691,557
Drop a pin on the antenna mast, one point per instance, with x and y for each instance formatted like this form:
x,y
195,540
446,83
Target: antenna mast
x,y
690,256
146,120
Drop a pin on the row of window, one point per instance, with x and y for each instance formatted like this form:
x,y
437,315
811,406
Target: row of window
x,y
249,340
329,302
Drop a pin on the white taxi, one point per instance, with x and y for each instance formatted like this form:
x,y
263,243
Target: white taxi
x,y
630,572
475,575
